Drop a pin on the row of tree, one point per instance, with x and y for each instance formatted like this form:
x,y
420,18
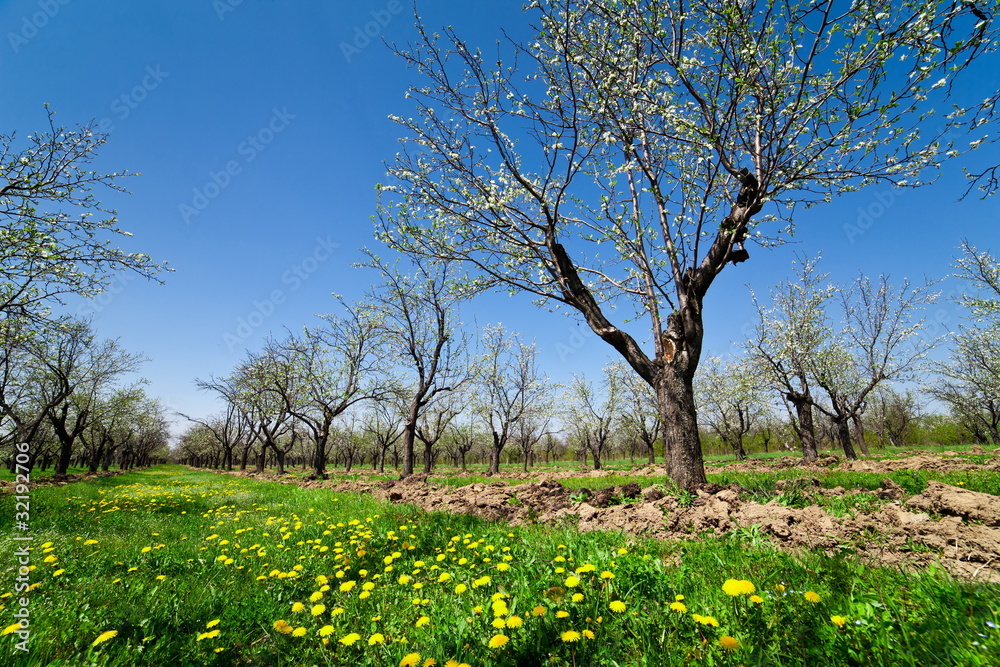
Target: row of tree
x,y
62,392
395,377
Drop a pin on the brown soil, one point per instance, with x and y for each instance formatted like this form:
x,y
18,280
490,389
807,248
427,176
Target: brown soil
x,y
958,528
63,480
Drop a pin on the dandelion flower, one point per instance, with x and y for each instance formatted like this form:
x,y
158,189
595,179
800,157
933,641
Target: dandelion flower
x,y
839,621
588,634
577,597
297,607
299,632
515,622
617,606
756,599
539,610
461,588
316,597
729,643
607,574
326,631
57,573
409,660
496,641
376,638
705,620
736,587
211,634
570,636
678,606
317,609
349,639
422,621
212,624
347,586
571,582
430,662
499,623
101,638
812,596
10,628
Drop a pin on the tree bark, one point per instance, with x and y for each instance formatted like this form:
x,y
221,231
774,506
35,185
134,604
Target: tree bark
x,y
807,429
675,395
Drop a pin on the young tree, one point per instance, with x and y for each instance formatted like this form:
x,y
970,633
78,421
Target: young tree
x,y
419,319
731,401
621,156
593,413
51,244
510,387
640,415
970,381
787,335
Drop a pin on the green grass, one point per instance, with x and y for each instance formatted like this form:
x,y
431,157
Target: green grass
x,y
175,550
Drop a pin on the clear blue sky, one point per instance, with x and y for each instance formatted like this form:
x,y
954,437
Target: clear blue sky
x,y
260,137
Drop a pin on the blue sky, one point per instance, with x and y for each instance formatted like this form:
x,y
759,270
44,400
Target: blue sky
x,y
260,130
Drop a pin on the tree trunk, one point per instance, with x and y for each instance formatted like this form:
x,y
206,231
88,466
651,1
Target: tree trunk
x,y
844,436
682,446
807,429
859,433
409,435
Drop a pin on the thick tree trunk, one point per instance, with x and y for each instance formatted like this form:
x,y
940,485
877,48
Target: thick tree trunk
x,y
807,429
844,437
675,396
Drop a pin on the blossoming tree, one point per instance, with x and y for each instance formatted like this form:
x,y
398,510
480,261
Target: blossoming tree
x,y
627,153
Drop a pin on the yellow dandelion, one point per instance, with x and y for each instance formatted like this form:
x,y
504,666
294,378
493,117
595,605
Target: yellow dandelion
x,y
58,573
571,582
736,587
617,606
812,596
729,643
499,623
211,634
316,597
376,638
10,628
839,621
461,588
562,614
317,609
498,641
101,638
422,621
678,606
515,622
409,660
577,597
538,610
145,550
326,631
403,579
502,567
570,636
347,586
161,577
607,574
443,577
299,632
297,607
756,599
349,639
430,662
212,624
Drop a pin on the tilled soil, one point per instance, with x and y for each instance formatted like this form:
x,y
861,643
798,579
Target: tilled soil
x,y
956,527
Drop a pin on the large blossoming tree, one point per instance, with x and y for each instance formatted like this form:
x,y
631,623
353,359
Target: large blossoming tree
x,y
624,156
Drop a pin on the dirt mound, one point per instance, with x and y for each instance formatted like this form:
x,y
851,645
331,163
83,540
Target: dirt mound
x,y
953,501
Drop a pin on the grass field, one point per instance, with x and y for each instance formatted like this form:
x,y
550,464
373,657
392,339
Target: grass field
x,y
173,567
